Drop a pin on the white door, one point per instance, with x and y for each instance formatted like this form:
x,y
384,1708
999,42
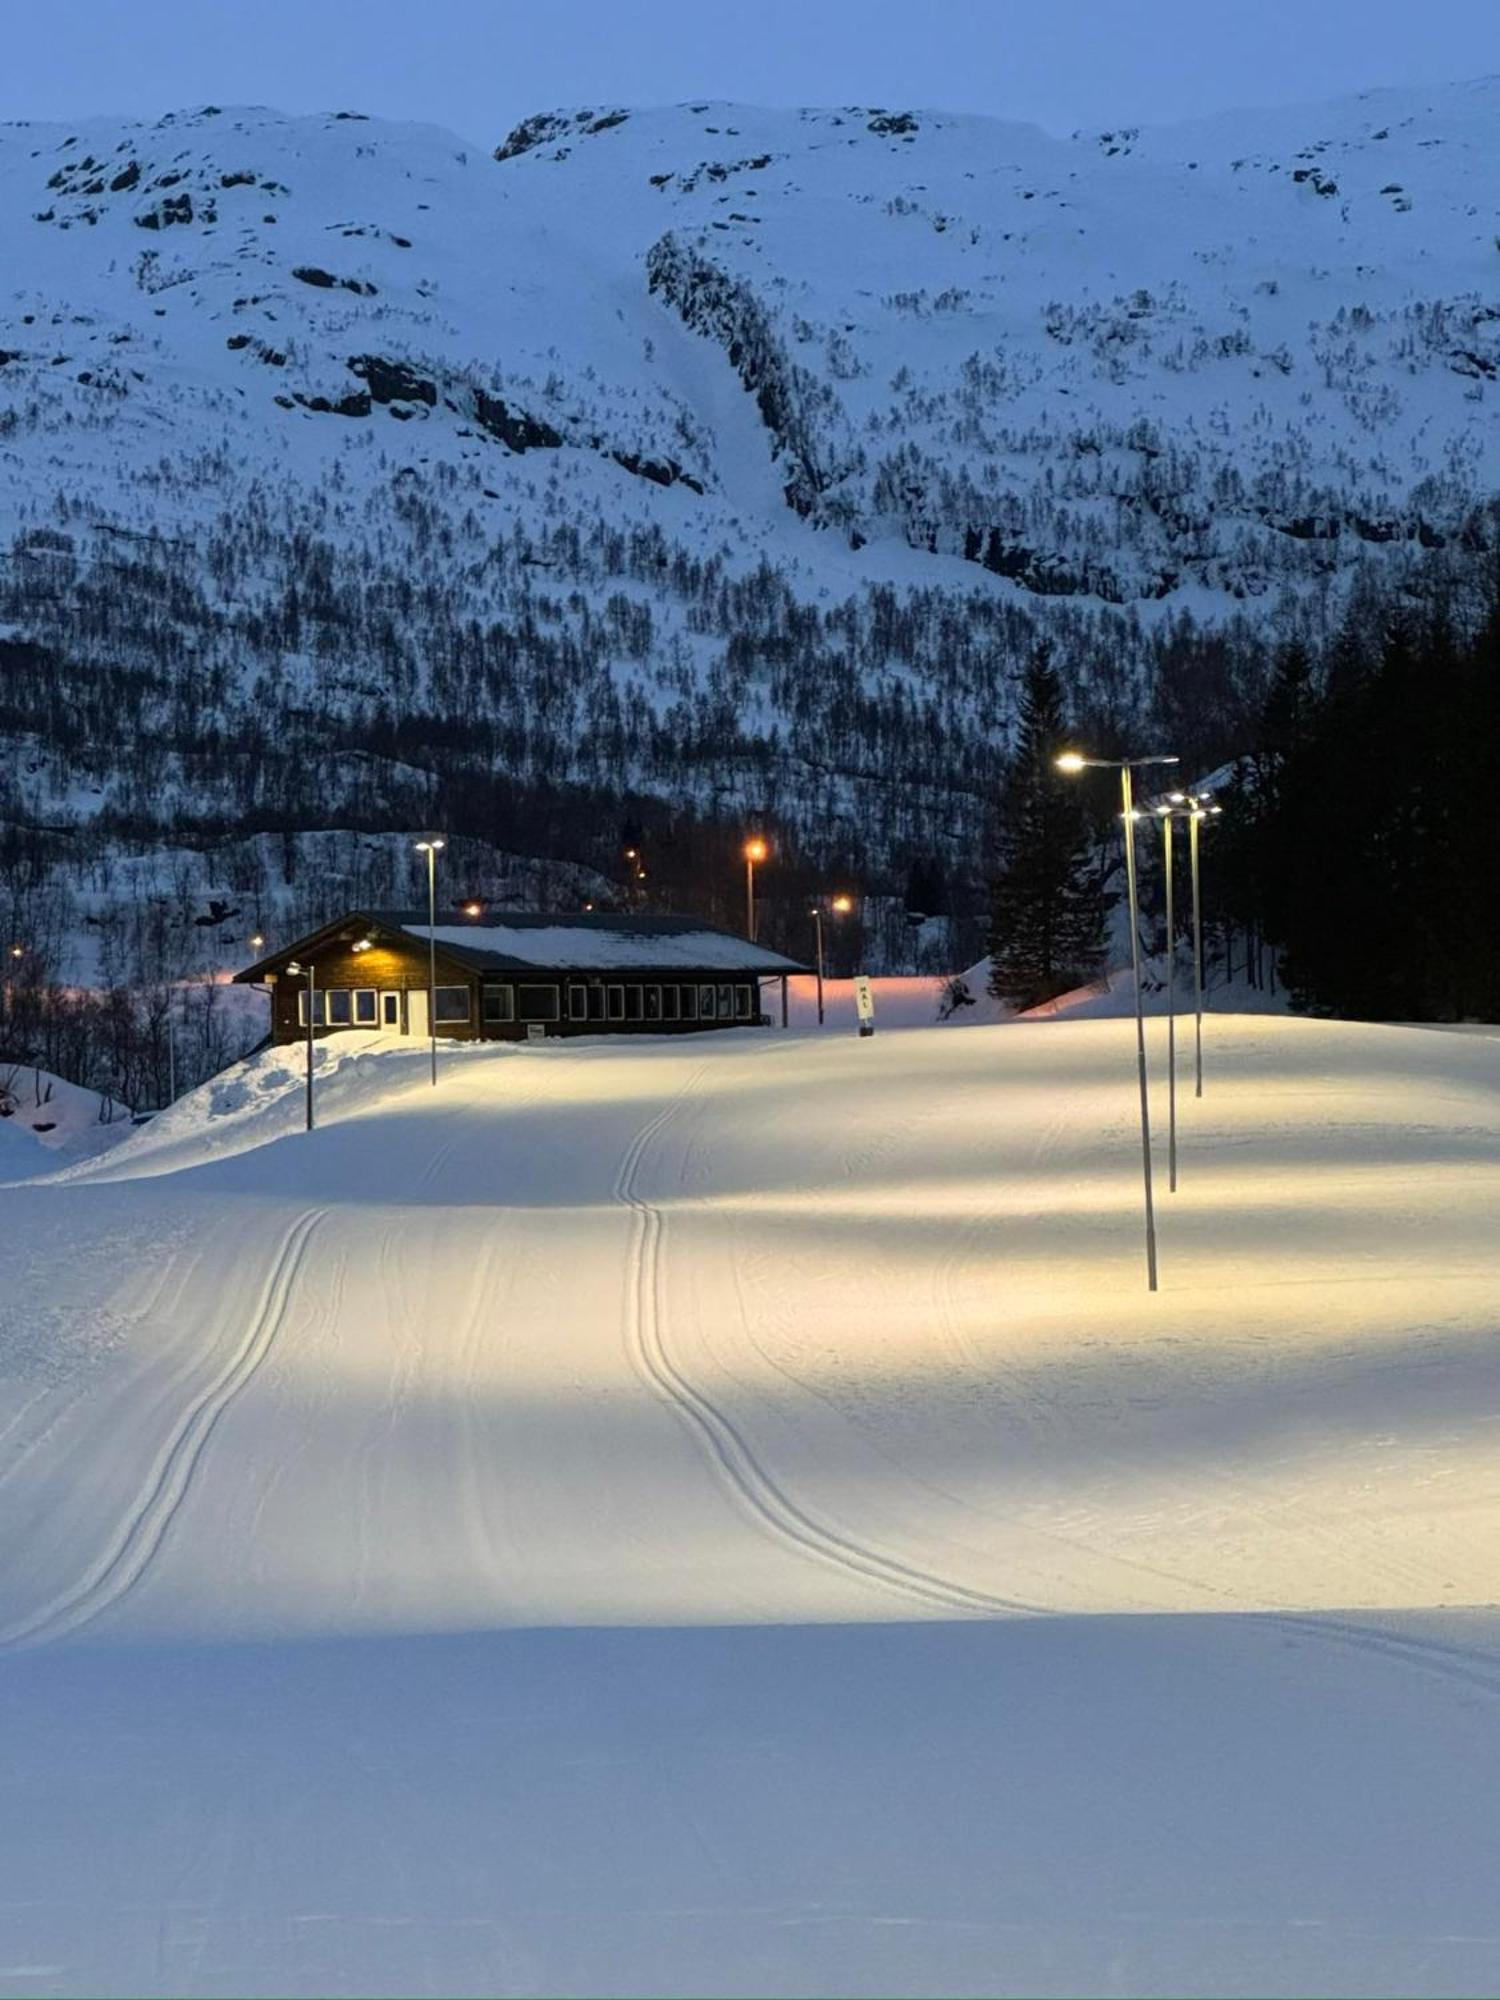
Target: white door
x,y
416,1011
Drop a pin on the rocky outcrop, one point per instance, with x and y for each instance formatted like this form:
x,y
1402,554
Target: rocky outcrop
x,y
802,414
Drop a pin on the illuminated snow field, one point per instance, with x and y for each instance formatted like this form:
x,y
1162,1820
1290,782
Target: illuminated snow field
x,y
725,1515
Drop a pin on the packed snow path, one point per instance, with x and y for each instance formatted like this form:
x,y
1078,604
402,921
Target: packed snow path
x,y
843,1341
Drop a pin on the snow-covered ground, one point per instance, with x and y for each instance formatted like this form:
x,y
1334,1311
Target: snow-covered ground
x,y
726,1515
42,1114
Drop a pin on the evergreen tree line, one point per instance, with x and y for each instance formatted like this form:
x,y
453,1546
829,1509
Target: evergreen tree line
x,y
1362,831
1356,859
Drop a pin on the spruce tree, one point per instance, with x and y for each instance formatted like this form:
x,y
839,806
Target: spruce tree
x,y
1047,904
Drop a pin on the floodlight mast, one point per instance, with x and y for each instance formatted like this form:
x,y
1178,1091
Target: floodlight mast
x,y
1071,762
755,849
432,847
310,999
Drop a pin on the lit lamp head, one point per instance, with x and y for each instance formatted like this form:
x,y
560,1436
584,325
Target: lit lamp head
x,y
295,967
756,849
842,905
473,909
18,951
434,845
1071,762
256,942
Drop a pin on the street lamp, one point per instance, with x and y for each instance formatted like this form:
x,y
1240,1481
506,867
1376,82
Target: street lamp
x,y
755,850
432,847
14,954
296,968
840,906
1166,814
1072,762
1200,807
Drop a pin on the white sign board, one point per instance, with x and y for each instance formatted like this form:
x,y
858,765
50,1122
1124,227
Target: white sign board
x,y
864,999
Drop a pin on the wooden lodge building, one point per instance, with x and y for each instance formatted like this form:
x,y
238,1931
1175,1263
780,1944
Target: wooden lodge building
x,y
509,977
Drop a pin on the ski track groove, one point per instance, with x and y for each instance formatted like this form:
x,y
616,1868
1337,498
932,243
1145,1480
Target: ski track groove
x,y
725,1443
145,1527
1464,1665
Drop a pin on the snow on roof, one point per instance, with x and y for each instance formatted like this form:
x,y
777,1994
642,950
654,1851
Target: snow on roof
x,y
643,947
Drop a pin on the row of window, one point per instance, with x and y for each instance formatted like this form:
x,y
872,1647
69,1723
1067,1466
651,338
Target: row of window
x,y
365,1007
727,1002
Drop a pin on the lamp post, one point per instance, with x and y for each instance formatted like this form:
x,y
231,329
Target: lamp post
x,y
13,957
840,906
296,968
755,850
1167,813
1200,807
1072,762
432,847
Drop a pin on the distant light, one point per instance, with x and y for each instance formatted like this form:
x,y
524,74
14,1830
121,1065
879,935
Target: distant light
x,y
473,909
756,849
294,967
1071,762
433,846
363,944
588,906
18,951
1177,798
256,942
630,853
843,904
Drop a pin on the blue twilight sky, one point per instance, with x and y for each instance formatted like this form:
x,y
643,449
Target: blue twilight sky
x,y
480,65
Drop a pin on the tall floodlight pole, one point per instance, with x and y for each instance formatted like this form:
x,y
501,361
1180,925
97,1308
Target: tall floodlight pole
x,y
1200,807
840,906
431,847
1072,762
755,850
1166,815
1197,957
310,999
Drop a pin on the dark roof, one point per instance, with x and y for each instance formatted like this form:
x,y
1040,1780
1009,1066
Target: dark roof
x,y
571,942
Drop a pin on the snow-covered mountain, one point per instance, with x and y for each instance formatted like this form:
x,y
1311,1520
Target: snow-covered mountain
x,y
716,455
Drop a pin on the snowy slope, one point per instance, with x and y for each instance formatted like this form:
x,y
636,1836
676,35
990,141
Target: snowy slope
x,y
729,458
913,1600
1149,361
